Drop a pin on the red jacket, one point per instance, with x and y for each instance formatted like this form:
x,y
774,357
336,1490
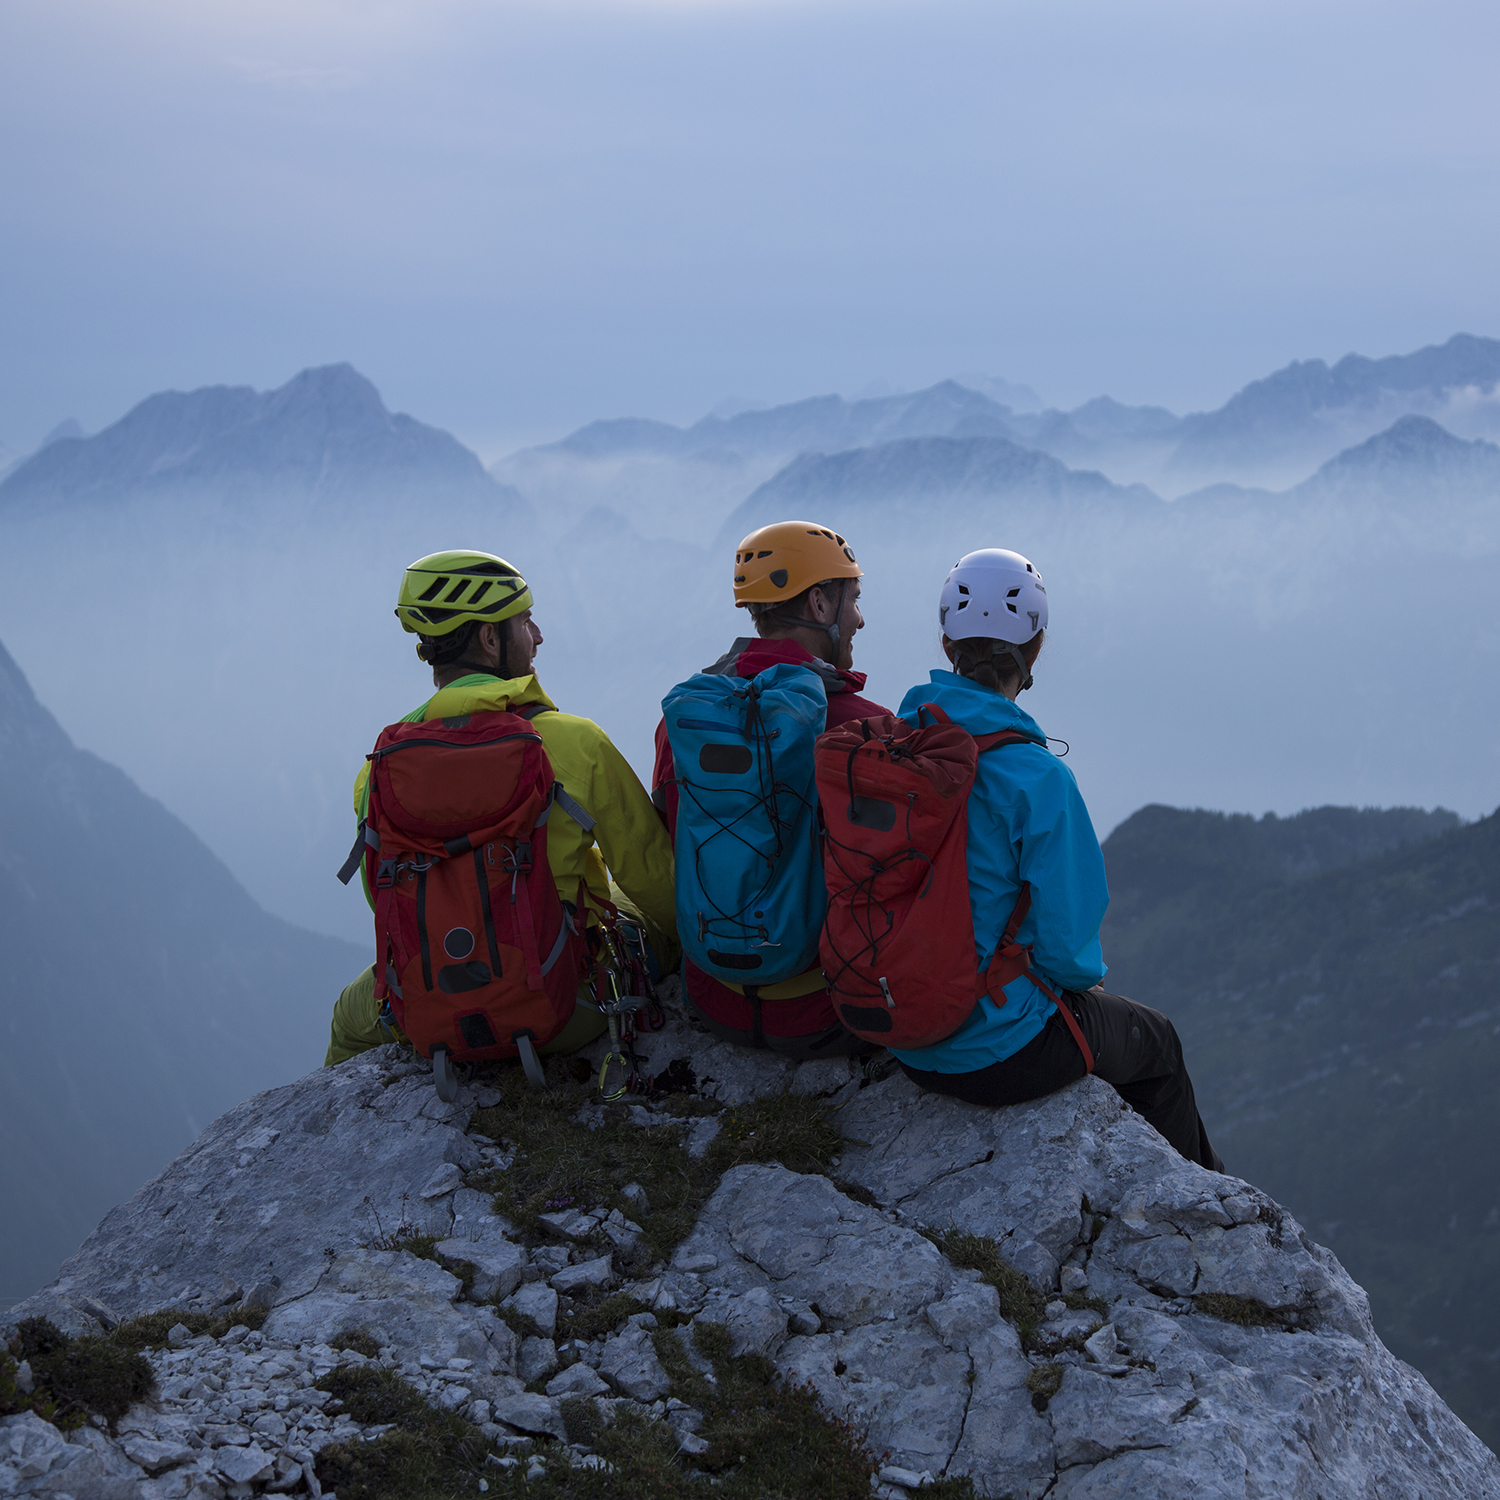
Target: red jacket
x,y
745,658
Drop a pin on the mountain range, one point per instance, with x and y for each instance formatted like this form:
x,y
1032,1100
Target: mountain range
x,y
1335,978
145,991
323,436
283,518
1275,431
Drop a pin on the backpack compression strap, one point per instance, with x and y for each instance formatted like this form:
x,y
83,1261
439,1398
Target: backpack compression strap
x,y
1011,961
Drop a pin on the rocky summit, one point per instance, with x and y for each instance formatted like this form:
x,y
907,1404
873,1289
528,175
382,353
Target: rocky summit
x,y
1045,1299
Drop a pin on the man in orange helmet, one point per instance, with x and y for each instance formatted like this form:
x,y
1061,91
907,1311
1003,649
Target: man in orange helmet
x,y
801,585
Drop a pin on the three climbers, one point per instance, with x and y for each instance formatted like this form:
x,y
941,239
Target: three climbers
x,y
845,879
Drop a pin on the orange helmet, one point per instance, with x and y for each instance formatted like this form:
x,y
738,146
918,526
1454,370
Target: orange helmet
x,y
781,561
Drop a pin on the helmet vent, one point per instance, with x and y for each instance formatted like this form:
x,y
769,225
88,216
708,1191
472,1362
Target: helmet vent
x,y
434,589
456,592
763,554
1011,593
480,592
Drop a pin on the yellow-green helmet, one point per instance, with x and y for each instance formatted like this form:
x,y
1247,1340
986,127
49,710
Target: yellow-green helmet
x,y
448,589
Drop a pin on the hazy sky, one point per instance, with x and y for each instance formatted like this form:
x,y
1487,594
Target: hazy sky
x,y
516,217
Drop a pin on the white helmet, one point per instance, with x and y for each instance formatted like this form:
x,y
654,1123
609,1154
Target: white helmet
x,y
996,595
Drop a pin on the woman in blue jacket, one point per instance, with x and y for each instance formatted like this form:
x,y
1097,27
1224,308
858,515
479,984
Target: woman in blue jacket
x,y
1028,827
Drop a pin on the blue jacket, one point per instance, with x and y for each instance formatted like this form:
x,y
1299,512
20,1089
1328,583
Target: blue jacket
x,y
1027,822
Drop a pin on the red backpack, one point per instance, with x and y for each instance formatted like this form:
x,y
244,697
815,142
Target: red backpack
x,y
475,952
898,941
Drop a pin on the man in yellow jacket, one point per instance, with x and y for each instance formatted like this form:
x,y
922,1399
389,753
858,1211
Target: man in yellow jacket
x,y
471,613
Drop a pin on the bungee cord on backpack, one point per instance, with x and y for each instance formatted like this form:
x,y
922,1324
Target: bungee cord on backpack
x,y
767,797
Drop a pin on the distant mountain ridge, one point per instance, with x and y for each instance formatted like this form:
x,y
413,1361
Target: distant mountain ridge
x,y
1309,410
325,434
1274,431
920,472
1413,462
817,422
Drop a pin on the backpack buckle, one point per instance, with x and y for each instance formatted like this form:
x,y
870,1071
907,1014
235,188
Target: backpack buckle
x,y
385,876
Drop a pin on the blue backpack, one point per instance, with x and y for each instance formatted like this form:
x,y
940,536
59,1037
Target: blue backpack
x,y
750,892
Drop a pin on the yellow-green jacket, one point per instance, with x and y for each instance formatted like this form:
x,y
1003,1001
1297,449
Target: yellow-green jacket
x,y
631,840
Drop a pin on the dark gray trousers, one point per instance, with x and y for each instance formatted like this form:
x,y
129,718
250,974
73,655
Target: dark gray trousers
x,y
1136,1050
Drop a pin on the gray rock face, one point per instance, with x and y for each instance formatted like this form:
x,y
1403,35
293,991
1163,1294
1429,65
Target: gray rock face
x,y
333,1161
1143,1393
630,1365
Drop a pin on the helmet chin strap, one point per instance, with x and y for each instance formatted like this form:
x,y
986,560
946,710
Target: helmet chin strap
x,y
503,671
831,631
1014,652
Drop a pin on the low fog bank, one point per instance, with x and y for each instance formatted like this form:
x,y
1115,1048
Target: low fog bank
x,y
1258,655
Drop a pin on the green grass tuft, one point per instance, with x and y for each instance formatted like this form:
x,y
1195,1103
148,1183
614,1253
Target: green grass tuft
x,y
149,1331
75,1377
960,1487
1044,1382
360,1340
794,1129
1020,1302
559,1163
594,1320
430,1455
1248,1312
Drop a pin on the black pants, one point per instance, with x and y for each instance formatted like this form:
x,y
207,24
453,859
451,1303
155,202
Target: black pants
x,y
1136,1050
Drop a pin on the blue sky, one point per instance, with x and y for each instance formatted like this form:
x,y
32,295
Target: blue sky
x,y
517,217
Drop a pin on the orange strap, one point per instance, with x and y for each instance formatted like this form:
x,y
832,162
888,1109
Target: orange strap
x,y
1011,960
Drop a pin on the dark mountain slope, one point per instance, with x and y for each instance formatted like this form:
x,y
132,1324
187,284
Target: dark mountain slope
x,y
1343,1031
145,992
325,434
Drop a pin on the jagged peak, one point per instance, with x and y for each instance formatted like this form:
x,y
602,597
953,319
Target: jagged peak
x,y
1410,441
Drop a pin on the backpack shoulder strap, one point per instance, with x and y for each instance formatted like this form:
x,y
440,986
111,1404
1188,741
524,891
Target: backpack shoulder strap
x,y
531,710
1005,737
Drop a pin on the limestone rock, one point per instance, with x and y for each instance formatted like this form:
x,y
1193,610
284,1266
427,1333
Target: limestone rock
x,y
403,1302
539,1303
309,1190
587,1276
630,1365
540,1416
577,1380
329,1162
538,1358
